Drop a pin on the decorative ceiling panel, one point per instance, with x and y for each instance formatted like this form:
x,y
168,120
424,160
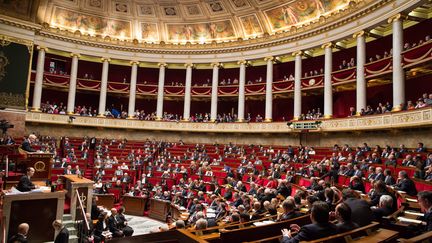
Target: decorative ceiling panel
x,y
182,21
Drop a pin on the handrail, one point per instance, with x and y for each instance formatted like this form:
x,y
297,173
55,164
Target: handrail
x,y
82,210
3,225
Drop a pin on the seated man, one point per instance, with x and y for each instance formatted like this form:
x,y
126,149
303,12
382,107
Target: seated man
x,y
405,184
289,210
425,202
113,224
343,215
320,227
123,223
385,208
25,184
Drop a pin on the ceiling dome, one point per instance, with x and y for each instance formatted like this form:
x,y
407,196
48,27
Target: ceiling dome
x,y
185,21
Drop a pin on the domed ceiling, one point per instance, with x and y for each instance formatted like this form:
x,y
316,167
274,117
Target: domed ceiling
x,y
183,21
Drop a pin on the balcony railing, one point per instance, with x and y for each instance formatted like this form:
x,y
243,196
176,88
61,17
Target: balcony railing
x,y
413,118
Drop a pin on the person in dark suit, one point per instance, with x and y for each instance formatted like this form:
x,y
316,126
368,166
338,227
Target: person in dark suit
x,y
123,223
405,184
63,233
101,226
343,215
26,144
113,224
320,227
385,208
389,180
86,235
289,210
425,202
21,236
25,184
360,209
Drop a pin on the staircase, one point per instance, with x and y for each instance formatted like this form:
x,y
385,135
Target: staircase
x,y
69,224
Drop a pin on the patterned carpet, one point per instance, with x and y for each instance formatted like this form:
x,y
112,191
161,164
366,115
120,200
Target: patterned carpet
x,y
142,225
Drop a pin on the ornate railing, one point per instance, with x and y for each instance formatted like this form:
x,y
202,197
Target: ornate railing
x,y
413,118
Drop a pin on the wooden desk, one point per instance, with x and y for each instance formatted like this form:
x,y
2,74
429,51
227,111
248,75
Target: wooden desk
x,y
41,162
159,209
85,190
134,205
38,209
105,200
381,235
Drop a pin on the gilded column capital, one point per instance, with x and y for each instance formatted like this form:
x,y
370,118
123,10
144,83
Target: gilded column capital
x,y
216,64
245,62
162,64
191,65
42,48
297,53
359,34
327,45
75,55
396,17
269,59
103,59
134,63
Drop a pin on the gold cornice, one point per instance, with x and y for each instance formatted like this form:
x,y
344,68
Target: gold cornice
x,y
191,65
297,53
326,45
276,39
134,63
103,59
398,16
42,48
217,64
75,55
359,34
162,64
266,59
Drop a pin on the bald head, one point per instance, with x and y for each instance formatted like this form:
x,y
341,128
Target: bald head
x,y
23,228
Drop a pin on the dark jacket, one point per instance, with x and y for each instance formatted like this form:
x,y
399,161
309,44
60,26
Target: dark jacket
x,y
361,213
407,186
346,226
312,232
27,147
63,236
25,185
18,238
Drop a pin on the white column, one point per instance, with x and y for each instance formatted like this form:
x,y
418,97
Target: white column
x,y
72,84
214,93
104,86
361,81
398,72
132,89
297,84
160,94
241,98
269,90
37,92
328,92
187,99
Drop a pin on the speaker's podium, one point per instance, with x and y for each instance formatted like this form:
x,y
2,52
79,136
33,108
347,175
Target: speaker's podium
x,y
38,209
82,187
41,162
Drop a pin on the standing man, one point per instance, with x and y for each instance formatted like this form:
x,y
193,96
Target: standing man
x,y
26,145
21,236
62,234
25,184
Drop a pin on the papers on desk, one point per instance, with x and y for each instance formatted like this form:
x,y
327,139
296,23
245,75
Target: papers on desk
x,y
414,213
13,190
265,222
409,221
411,200
42,189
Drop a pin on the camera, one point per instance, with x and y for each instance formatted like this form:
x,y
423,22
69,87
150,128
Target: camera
x,y
5,125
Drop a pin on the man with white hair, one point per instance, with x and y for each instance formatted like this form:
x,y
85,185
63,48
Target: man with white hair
x,y
201,224
26,145
385,207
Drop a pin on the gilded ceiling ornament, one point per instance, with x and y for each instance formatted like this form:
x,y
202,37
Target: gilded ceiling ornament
x,y
170,11
121,7
96,3
216,7
239,3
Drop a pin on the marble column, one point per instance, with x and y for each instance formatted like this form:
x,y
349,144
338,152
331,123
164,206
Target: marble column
x,y
214,93
37,92
160,94
188,87
328,91
361,84
398,72
297,84
269,90
72,84
104,86
132,89
241,98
